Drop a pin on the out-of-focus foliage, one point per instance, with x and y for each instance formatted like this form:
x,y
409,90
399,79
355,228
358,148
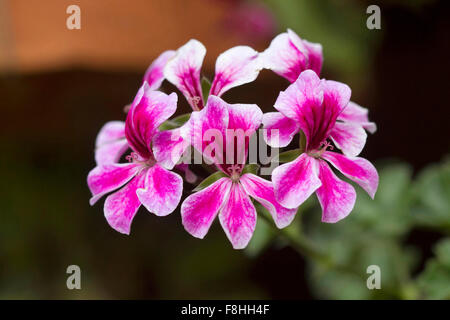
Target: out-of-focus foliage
x,y
435,279
432,210
432,190
375,233
371,235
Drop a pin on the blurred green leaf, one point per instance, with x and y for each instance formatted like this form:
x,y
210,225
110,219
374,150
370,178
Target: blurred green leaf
x,y
206,87
209,180
432,192
442,250
175,122
251,168
331,284
435,279
287,156
370,235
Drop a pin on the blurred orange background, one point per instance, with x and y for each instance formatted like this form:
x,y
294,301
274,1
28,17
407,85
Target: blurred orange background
x,y
114,34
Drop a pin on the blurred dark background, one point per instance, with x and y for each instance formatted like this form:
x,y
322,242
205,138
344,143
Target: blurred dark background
x,y
58,87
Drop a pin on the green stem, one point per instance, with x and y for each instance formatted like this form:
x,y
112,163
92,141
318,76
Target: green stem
x,y
302,142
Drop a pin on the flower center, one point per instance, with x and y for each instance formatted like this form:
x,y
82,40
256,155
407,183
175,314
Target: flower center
x,y
324,145
195,101
136,158
235,172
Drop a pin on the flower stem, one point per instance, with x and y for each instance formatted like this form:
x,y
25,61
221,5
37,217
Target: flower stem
x,y
302,142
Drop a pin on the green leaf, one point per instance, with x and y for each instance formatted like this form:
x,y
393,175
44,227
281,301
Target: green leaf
x,y
287,156
442,250
434,280
209,180
432,190
251,168
175,122
378,226
332,284
206,87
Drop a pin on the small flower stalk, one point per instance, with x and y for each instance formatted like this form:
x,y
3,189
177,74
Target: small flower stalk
x,y
135,158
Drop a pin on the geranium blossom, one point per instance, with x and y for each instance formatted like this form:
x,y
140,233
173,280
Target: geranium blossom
x,y
143,180
288,55
111,142
234,67
229,196
319,109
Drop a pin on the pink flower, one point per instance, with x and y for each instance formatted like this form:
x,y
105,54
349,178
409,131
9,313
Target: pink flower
x,y
321,110
288,56
154,76
234,67
229,196
143,180
155,72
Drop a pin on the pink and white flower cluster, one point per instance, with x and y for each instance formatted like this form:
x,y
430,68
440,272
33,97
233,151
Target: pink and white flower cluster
x,y
319,110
